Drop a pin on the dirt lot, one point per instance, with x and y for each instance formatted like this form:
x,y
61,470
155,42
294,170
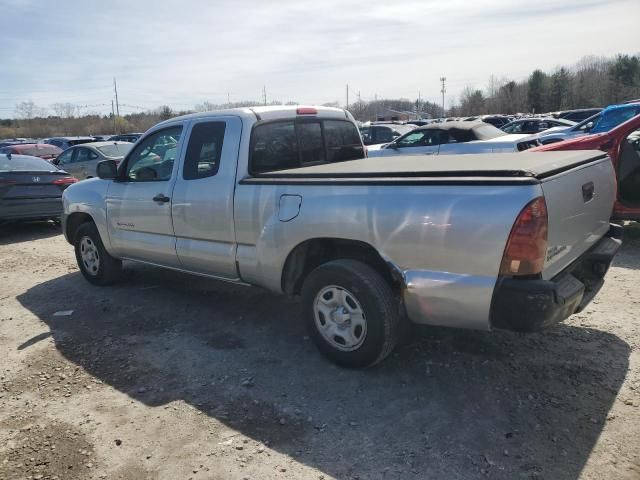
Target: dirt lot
x,y
167,376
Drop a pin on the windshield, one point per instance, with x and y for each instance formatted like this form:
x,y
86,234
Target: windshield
x,y
613,118
26,164
115,150
80,141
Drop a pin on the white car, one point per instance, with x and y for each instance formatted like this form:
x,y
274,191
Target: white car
x,y
454,138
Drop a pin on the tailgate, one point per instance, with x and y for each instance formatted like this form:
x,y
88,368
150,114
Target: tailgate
x,y
579,204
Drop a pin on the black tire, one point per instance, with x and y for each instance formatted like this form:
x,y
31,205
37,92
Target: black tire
x,y
377,301
108,268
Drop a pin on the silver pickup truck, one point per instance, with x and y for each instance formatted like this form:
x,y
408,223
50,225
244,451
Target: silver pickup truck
x,y
283,198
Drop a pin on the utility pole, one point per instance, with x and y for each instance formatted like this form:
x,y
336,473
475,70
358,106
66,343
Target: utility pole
x,y
264,94
228,99
113,114
347,96
418,105
443,90
375,103
115,89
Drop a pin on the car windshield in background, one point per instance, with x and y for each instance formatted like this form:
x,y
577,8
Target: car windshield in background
x,y
18,163
613,118
115,150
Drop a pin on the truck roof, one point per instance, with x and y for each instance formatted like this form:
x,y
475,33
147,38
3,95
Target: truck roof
x,y
267,113
530,165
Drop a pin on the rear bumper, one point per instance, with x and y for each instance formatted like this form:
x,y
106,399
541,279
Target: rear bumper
x,y
31,209
530,305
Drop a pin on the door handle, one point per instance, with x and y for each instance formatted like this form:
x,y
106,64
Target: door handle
x,y
161,197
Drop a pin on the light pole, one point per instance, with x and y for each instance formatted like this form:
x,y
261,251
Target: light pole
x,y
443,90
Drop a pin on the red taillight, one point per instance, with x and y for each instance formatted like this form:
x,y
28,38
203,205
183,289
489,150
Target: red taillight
x,y
306,111
527,245
65,181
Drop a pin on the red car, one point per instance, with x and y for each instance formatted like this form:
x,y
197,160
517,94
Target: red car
x,y
42,150
622,143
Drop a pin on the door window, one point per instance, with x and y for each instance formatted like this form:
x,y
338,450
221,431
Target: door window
x,y
422,138
65,157
152,159
203,151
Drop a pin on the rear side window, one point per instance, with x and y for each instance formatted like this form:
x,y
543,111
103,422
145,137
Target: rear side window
x,y
204,150
289,144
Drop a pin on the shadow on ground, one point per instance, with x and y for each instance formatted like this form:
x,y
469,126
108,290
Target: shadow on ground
x,y
451,404
18,232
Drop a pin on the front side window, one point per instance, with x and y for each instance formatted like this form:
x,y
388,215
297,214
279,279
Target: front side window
x,y
413,139
204,150
65,157
153,159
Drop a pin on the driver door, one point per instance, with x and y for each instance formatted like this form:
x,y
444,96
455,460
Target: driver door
x,y
139,201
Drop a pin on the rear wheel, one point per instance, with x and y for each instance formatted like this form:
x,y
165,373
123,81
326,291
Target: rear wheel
x,y
351,313
95,263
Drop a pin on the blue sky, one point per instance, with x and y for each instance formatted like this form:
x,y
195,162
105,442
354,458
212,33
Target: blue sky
x,y
183,53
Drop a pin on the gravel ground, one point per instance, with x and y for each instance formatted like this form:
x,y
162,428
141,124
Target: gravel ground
x,y
167,376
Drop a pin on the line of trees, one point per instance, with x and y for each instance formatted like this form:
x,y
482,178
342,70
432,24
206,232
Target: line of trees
x,y
592,82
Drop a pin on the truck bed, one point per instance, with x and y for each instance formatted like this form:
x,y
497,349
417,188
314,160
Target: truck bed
x,y
509,166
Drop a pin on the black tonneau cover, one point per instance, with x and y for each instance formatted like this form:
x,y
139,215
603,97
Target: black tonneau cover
x,y
526,165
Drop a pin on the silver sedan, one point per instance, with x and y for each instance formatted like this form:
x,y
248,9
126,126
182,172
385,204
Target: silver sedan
x,y
81,161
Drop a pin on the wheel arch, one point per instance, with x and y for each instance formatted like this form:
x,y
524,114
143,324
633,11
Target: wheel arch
x,y
72,224
311,253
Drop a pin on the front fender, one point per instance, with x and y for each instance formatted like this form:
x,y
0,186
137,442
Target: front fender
x,y
87,197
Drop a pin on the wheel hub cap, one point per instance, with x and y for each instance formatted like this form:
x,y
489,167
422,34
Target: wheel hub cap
x,y
339,318
89,255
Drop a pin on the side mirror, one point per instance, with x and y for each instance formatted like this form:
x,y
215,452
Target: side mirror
x,y
107,169
55,161
588,126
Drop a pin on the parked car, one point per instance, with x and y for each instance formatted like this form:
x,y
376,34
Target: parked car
x,y
379,133
102,138
487,241
603,121
31,188
497,121
535,125
81,161
68,142
125,137
577,115
622,144
40,150
451,138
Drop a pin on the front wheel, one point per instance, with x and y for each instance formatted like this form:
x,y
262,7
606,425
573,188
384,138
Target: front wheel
x,y
95,263
351,313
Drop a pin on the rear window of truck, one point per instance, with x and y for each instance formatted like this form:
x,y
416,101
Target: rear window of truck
x,y
286,144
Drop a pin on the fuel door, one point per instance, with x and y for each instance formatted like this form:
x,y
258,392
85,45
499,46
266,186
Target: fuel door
x,y
289,207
